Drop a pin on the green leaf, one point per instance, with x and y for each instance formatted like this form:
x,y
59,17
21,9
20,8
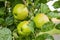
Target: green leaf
x,y
16,22
31,25
56,4
12,27
58,26
15,35
53,15
2,0
2,9
14,2
5,34
44,8
9,21
43,1
40,1
29,1
25,38
44,37
2,3
28,38
1,20
47,26
36,2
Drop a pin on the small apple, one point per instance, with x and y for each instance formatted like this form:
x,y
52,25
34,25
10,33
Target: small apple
x,y
20,11
40,19
23,28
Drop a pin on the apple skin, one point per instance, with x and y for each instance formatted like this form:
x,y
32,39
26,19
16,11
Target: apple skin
x,y
23,28
40,19
20,12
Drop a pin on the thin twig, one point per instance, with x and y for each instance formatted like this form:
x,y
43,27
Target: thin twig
x,y
24,2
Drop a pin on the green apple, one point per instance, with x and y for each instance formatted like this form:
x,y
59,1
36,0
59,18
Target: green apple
x,y
23,28
20,11
40,19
